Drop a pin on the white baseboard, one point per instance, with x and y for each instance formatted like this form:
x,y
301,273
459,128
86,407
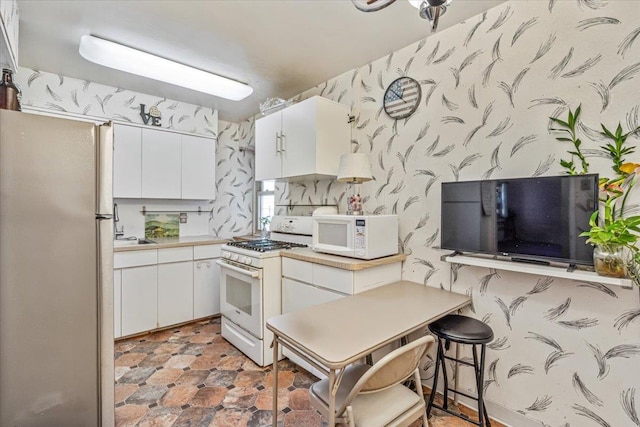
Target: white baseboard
x,y
505,416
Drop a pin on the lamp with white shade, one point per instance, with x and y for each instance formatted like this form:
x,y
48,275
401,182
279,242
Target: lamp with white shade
x,y
354,169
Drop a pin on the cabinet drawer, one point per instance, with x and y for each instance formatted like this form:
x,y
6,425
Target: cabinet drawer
x,y
374,277
297,295
135,258
333,278
207,251
243,341
299,270
175,255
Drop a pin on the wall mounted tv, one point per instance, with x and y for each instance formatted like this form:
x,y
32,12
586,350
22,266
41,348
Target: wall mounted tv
x,y
528,219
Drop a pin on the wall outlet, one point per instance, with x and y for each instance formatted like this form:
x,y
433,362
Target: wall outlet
x,y
183,217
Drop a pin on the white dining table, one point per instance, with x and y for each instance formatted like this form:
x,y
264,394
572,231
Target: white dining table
x,y
332,335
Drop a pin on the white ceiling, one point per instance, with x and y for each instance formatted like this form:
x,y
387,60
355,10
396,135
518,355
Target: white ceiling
x,y
279,47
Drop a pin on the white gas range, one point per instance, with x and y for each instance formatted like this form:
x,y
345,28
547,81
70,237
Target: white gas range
x,y
250,293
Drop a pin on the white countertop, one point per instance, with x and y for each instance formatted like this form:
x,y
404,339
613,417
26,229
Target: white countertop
x,y
173,242
345,263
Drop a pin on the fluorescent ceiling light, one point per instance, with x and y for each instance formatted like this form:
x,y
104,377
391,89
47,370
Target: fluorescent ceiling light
x,y
133,61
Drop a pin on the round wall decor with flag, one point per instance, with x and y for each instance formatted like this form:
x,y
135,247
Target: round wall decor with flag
x,y
402,98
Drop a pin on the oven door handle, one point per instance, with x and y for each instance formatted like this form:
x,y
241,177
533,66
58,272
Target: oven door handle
x,y
255,273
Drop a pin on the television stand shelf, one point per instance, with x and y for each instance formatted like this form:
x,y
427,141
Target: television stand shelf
x,y
540,270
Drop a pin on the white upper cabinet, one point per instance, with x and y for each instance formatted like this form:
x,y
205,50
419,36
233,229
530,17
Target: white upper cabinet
x,y
198,168
127,161
9,34
305,139
267,147
161,165
157,164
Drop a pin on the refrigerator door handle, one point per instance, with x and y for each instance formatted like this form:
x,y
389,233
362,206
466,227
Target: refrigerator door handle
x,y
104,162
104,216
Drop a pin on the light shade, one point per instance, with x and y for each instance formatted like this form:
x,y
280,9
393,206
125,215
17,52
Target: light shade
x,y
355,168
133,61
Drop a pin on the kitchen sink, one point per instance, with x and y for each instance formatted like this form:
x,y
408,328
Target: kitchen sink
x,y
131,242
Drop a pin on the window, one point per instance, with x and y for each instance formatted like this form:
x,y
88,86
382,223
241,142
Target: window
x,y
266,202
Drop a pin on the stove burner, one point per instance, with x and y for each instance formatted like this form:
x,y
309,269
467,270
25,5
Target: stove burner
x,y
265,245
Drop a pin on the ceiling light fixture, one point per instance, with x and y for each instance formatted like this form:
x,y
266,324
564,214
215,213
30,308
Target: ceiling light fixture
x,y
123,58
429,9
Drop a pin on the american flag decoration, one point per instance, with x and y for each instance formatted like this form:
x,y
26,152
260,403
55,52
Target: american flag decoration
x,y
402,98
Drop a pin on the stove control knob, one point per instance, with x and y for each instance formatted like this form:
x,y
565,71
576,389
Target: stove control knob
x,y
248,261
234,257
226,255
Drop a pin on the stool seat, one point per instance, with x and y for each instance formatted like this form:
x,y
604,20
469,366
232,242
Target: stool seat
x,y
462,329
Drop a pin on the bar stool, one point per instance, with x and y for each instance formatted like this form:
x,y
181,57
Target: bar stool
x,y
461,330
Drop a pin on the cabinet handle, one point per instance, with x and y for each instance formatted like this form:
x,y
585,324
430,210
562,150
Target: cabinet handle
x,y
198,265
283,139
277,143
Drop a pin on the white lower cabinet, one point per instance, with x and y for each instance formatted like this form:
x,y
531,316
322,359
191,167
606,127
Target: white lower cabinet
x,y
158,288
305,284
175,293
298,295
117,303
139,299
206,288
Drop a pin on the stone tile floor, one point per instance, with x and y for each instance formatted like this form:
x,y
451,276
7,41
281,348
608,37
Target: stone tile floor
x,y
191,376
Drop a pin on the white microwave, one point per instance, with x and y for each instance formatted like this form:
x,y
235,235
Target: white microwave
x,y
356,236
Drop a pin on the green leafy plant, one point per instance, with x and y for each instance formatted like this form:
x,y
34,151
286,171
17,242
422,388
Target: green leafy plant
x,y
610,229
617,149
568,130
612,232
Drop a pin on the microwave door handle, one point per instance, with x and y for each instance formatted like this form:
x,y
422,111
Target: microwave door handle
x,y
238,270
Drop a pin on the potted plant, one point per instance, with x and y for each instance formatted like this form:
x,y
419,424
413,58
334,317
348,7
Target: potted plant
x,y
613,234
610,238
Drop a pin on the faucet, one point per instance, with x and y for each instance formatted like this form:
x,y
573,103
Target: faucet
x,y
118,234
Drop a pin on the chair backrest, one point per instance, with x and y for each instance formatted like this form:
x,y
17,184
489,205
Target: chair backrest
x,y
392,369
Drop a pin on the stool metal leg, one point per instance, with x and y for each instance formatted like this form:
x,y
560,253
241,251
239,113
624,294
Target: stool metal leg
x,y
446,381
481,406
479,385
479,371
435,378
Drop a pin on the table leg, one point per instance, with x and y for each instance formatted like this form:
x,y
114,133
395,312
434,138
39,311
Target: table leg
x,y
275,382
332,398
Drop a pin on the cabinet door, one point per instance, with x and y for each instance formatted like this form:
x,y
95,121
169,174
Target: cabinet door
x,y
139,299
267,156
127,161
117,303
161,164
299,139
206,288
297,295
175,293
198,168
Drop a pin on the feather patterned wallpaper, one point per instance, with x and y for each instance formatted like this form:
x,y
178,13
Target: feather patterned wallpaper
x,y
234,170
566,352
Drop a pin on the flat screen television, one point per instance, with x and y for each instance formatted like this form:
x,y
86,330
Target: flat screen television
x,y
528,219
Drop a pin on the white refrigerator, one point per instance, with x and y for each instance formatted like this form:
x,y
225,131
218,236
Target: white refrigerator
x,y
56,272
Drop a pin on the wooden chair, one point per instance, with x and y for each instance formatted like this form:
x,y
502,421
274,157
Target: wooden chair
x,y
374,396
